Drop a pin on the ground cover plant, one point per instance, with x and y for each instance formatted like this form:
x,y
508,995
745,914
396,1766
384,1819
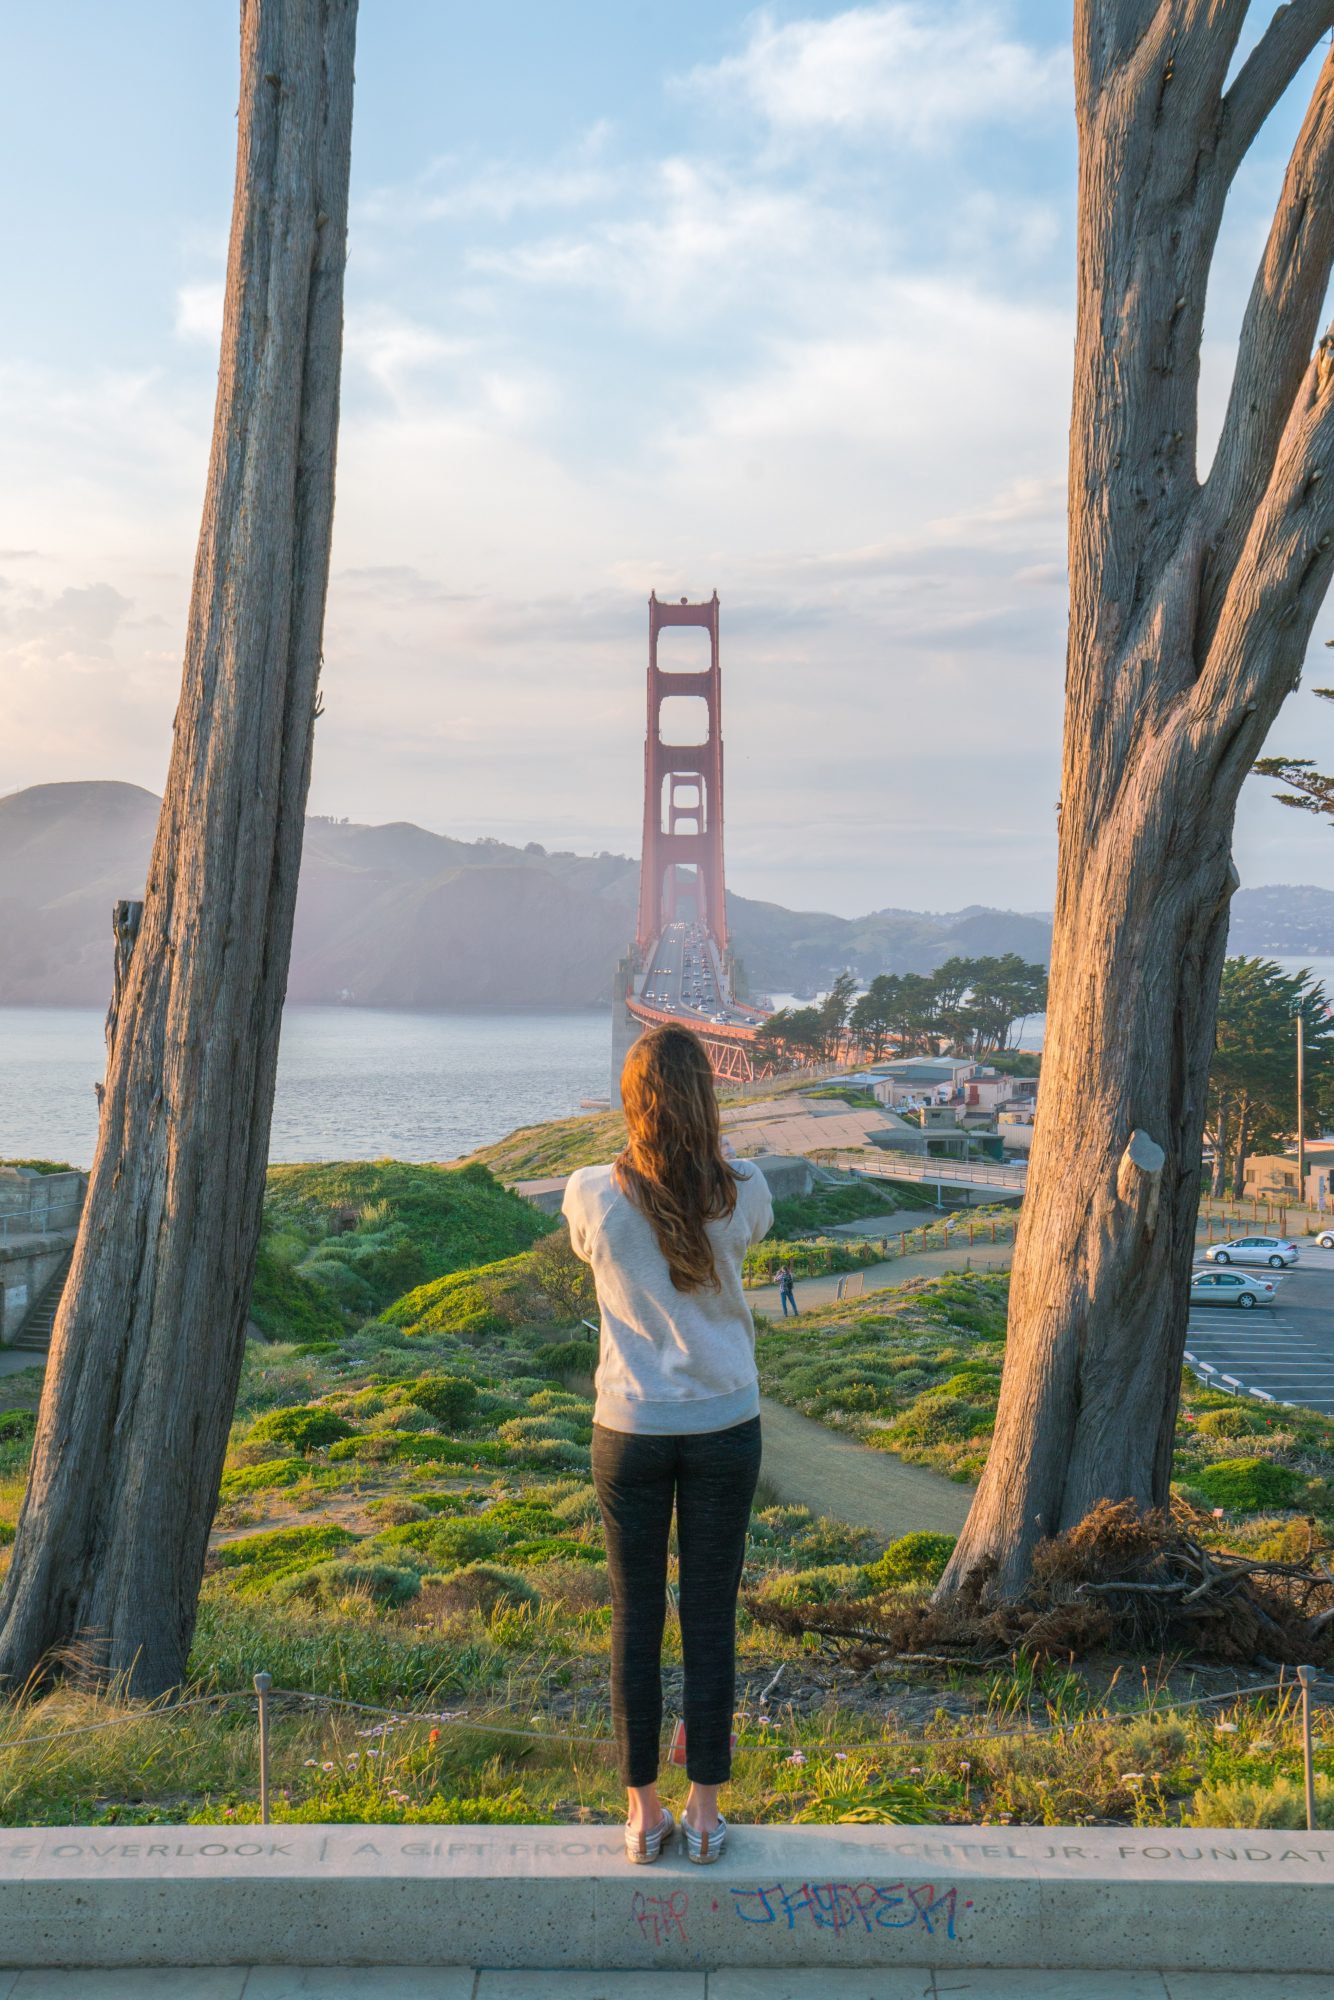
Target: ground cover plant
x,y
407,1520
832,1202
344,1239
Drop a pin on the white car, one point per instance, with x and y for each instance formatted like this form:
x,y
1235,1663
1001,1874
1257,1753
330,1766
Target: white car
x,y
1275,1251
1229,1288
1326,1239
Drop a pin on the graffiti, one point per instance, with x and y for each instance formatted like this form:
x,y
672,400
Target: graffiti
x,y
661,1919
843,1906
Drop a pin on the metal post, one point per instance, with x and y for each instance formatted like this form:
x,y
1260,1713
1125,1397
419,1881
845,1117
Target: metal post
x,y
263,1682
1301,1111
1306,1675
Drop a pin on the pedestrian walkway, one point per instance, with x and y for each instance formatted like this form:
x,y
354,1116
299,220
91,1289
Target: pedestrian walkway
x,y
893,1271
809,1465
390,1982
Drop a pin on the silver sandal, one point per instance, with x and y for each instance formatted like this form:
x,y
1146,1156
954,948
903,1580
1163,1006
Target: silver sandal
x,y
643,1846
702,1846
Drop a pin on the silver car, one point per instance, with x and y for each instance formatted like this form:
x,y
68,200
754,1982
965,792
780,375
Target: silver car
x,y
1275,1251
1229,1288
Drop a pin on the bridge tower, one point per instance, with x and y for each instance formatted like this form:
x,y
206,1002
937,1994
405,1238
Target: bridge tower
x,y
683,790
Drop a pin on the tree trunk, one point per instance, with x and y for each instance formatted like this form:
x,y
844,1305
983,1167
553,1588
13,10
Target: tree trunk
x,y
1222,1136
148,1343
1191,606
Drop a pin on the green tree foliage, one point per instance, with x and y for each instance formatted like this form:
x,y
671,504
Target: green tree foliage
x,y
967,1006
1252,1102
1311,791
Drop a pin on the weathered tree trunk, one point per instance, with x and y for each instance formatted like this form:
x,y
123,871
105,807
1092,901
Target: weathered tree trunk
x,y
147,1346
1191,605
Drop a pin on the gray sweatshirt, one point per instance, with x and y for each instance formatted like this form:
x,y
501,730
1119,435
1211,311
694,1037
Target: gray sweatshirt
x,y
671,1361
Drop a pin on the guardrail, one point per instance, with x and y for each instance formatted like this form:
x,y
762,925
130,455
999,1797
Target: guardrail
x,y
920,1167
48,1224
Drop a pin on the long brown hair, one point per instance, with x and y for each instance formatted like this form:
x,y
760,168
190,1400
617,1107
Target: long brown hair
x,y
673,1168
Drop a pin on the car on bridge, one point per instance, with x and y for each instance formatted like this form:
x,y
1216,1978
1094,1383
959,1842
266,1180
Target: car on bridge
x,y
1230,1288
1275,1251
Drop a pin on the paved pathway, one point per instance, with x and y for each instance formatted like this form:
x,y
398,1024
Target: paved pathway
x,y
918,1264
295,1982
810,1465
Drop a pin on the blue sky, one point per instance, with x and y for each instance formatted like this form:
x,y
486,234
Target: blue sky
x,y
639,296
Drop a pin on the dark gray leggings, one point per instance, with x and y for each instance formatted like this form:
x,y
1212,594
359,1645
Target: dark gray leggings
x,y
710,1477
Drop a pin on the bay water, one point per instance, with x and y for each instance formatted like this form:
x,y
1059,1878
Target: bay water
x,y
354,1083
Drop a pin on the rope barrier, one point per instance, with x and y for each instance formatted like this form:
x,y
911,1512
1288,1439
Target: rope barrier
x,y
480,1726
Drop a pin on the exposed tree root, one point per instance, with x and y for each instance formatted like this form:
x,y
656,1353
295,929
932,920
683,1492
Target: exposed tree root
x,y
1120,1580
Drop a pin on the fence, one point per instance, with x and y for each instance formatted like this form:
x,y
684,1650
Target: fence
x,y
264,1695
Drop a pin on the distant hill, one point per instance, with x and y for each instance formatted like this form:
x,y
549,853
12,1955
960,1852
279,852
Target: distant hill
x,y
394,916
1290,921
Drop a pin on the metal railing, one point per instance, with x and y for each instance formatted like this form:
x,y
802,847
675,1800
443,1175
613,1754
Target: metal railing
x,y
926,1167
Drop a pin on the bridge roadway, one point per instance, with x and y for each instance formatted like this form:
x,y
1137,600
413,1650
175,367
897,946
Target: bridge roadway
x,y
685,978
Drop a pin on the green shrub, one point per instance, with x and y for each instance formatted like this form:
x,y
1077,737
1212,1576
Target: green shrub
x,y
529,1430
1246,1484
935,1418
445,1541
304,1427
387,1447
331,1581
1229,1424
270,1473
916,1558
280,1550
1279,1802
17,1426
284,1305
450,1399
481,1586
568,1357
817,1586
551,1548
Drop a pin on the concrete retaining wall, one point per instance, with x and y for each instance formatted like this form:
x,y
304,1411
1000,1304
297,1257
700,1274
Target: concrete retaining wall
x,y
27,1267
944,1897
39,1220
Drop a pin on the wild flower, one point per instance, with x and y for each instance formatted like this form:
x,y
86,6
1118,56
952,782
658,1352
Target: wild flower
x,y
797,1757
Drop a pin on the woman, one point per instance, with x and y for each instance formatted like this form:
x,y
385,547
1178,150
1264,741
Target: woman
x,y
677,1417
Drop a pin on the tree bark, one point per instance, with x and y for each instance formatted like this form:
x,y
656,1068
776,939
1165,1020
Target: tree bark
x,y
147,1347
1191,605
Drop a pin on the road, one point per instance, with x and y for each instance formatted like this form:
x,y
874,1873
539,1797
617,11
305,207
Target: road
x,y
684,978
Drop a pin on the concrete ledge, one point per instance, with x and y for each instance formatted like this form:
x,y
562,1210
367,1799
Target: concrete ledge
x,y
943,1897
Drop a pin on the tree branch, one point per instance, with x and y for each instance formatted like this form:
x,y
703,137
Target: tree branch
x,y
1282,318
1267,71
1278,584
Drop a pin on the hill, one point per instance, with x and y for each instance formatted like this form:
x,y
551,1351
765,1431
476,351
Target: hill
x,y
396,916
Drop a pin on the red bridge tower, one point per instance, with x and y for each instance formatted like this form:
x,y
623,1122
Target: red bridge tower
x,y
683,791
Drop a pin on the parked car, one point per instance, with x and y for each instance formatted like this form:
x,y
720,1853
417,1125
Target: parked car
x,y
1326,1239
1275,1251
1229,1288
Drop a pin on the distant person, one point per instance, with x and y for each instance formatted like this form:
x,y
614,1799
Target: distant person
x,y
677,1418
787,1295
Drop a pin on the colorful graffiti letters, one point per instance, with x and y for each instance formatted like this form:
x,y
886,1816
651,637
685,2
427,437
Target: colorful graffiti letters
x,y
661,1919
841,1906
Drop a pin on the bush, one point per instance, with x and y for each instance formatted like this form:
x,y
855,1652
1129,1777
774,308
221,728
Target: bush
x,y
481,1586
17,1426
331,1581
568,1357
817,1586
1229,1424
1245,1484
263,1558
450,1399
916,1558
304,1427
935,1418
1278,1802
445,1541
531,1430
285,1306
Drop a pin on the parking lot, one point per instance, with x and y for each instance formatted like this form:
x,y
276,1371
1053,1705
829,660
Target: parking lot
x,y
1285,1350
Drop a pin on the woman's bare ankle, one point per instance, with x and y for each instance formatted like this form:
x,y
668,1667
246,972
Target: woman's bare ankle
x,y
644,1808
701,1808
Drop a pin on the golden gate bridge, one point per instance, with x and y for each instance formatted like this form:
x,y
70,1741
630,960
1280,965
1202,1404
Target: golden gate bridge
x,y
681,967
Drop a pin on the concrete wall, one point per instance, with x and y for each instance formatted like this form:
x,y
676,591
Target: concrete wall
x,y
39,1220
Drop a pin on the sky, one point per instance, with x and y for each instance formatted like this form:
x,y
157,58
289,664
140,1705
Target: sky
x,y
683,297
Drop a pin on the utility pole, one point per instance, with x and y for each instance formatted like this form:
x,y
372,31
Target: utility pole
x,y
1301,1107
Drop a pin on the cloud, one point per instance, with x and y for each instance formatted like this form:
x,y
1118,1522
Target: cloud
x,y
199,311
902,71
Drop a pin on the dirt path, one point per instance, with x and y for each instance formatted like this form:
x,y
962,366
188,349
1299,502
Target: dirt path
x,y
812,1466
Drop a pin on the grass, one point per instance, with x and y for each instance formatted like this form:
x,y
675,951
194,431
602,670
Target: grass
x,y
845,1201
808,1257
407,1520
